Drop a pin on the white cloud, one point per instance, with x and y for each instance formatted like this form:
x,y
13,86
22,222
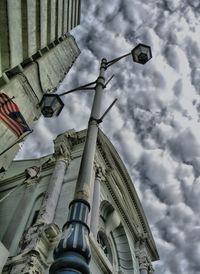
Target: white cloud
x,y
185,146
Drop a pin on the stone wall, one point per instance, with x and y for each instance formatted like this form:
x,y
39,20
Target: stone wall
x,y
36,52
29,26
28,83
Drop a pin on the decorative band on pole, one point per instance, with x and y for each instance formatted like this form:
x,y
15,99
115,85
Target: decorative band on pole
x,y
72,254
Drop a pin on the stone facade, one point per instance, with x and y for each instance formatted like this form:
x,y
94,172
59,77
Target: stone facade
x,y
37,193
30,26
36,52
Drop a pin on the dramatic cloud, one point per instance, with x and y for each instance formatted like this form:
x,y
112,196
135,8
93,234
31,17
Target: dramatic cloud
x,y
155,123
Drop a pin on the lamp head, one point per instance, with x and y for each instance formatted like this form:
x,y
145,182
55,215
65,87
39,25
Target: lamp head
x,y
51,105
141,54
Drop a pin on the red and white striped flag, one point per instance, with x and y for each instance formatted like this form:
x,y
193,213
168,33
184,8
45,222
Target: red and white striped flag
x,y
11,116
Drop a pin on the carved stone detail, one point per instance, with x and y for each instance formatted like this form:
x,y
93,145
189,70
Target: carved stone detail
x,y
62,146
100,172
35,246
32,172
37,235
144,261
30,238
151,270
25,263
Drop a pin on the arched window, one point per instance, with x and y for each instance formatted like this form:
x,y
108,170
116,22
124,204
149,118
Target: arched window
x,y
125,261
113,239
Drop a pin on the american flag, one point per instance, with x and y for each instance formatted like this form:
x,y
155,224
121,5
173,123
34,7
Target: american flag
x,y
11,116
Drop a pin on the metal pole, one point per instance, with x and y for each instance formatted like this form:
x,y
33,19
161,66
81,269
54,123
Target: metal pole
x,y
72,255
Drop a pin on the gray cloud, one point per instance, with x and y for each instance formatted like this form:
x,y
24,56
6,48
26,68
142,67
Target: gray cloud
x,y
172,57
185,146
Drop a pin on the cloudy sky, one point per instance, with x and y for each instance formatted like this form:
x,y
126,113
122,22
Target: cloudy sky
x,y
155,125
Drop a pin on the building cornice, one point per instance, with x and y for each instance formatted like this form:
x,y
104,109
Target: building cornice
x,y
118,170
45,167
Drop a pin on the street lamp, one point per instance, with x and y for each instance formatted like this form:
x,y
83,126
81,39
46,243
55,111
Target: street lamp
x,y
51,103
141,54
72,255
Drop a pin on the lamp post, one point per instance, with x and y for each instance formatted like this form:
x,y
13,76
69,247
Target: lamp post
x,y
72,255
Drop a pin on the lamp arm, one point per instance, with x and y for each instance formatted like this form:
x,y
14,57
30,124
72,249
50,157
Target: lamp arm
x,y
84,87
87,86
111,62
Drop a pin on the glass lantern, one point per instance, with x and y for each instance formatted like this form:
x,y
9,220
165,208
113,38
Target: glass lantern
x,y
51,105
141,54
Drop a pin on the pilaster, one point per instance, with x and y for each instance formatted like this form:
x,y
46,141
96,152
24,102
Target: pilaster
x,y
144,261
63,155
94,220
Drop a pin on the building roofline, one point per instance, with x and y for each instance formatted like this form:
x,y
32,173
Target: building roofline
x,y
108,148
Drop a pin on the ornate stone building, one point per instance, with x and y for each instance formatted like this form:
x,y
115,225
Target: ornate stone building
x,y
36,52
34,199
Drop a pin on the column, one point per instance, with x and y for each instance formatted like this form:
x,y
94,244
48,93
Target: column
x,y
95,203
47,210
65,16
143,263
141,255
49,204
48,207
69,15
143,269
52,20
43,24
60,18
15,32
4,36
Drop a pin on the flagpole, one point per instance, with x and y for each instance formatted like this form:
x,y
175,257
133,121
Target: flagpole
x,y
16,142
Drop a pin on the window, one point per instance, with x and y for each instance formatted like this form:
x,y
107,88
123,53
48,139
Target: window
x,y
105,246
113,240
